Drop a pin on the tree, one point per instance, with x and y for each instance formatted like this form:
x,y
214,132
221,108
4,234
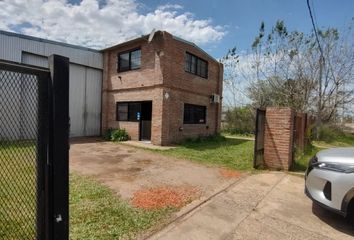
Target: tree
x,y
285,69
240,120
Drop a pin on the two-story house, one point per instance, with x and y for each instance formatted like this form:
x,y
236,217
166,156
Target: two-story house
x,y
162,90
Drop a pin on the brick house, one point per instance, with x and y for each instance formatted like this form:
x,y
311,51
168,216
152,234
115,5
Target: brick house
x,y
163,90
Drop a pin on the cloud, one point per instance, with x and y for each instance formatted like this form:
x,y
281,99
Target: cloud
x,y
170,6
97,25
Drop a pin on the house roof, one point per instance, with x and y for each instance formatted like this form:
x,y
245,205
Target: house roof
x,y
194,45
135,40
145,37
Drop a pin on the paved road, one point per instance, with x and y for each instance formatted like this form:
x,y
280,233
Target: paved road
x,y
262,206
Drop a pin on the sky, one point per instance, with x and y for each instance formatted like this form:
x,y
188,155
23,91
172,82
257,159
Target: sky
x,y
215,25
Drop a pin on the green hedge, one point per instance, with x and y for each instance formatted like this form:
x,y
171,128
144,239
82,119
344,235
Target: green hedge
x,y
116,135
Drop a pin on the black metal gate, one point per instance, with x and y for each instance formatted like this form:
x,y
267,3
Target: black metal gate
x,y
34,150
259,143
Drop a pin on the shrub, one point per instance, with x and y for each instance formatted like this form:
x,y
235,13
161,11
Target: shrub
x,y
310,133
240,120
119,135
116,135
329,133
107,135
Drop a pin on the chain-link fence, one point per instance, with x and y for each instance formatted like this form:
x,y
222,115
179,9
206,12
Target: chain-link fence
x,y
34,132
19,95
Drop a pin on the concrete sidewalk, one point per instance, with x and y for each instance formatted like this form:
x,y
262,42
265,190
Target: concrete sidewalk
x,y
261,206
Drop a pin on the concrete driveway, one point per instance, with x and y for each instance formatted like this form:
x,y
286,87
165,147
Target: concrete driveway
x,y
261,206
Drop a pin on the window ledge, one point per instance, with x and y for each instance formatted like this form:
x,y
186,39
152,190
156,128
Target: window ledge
x,y
206,78
130,70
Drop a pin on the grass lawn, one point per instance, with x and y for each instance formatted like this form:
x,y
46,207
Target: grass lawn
x,y
339,141
218,151
17,191
238,135
301,160
95,211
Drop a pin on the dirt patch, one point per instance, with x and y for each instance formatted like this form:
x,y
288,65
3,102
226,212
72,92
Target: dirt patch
x,y
126,169
144,161
165,196
227,173
134,169
128,178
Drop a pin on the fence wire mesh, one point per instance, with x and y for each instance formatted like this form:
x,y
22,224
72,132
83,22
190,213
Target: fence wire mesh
x,y
18,155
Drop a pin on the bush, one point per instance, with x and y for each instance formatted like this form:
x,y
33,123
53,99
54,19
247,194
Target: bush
x,y
119,135
240,120
107,135
329,133
116,135
310,133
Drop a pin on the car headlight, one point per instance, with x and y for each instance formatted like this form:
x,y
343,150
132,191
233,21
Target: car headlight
x,y
338,167
313,161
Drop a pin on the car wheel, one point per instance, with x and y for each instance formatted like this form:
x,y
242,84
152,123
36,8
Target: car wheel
x,y
351,211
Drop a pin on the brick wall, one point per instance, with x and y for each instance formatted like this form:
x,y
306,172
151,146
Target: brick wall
x,y
161,72
152,94
174,75
176,130
278,138
184,87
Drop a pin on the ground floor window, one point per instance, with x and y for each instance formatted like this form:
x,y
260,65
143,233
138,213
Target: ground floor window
x,y
128,111
194,114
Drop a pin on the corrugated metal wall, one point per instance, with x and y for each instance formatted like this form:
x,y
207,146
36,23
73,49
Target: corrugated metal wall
x,y
85,77
12,45
18,104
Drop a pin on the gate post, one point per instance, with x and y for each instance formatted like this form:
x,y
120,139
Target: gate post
x,y
58,176
278,142
41,159
258,158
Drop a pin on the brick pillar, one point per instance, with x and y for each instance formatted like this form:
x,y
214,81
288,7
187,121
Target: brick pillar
x,y
278,138
104,96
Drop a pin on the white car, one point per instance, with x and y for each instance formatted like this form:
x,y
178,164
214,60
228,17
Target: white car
x,y
329,180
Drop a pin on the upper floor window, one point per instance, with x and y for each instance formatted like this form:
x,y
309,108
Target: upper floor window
x,y
196,65
129,60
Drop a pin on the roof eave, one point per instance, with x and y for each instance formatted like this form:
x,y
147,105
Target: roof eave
x,y
195,46
19,35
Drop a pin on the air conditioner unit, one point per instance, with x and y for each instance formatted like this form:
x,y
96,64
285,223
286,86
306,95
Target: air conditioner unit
x,y
215,98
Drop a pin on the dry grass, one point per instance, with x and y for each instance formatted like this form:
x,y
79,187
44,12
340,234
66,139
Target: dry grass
x,y
165,197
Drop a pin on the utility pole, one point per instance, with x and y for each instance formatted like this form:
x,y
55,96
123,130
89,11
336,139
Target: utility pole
x,y
321,63
319,104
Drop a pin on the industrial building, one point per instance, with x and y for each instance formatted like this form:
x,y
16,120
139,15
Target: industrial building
x,y
162,89
158,87
85,76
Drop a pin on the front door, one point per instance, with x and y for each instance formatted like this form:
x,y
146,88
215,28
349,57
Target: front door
x,y
145,121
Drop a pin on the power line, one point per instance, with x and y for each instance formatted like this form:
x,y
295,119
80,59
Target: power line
x,y
315,29
314,13
321,63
